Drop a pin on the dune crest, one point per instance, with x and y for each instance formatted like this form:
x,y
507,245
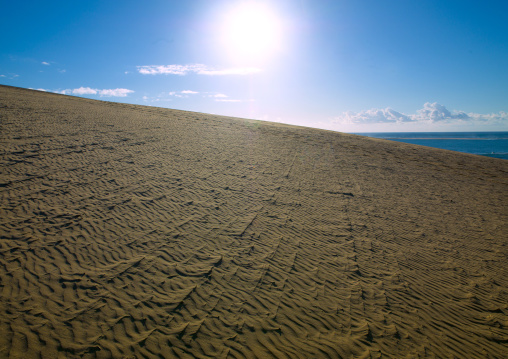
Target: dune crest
x,y
133,231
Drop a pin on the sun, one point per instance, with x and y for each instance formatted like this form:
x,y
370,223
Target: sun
x,y
251,31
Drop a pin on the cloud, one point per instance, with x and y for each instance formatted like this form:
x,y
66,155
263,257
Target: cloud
x,y
431,113
189,94
115,92
181,94
373,116
199,69
45,63
434,112
10,76
119,92
169,69
501,117
84,91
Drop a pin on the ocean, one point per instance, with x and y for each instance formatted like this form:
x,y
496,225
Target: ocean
x,y
491,144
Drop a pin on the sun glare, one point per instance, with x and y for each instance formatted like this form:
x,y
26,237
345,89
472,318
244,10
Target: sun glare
x,y
251,31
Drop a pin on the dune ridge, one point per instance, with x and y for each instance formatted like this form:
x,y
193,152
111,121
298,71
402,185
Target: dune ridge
x,y
132,231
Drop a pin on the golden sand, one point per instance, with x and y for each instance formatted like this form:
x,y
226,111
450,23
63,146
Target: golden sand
x,y
131,231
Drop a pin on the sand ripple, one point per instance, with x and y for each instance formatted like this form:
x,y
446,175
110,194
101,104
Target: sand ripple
x,y
130,231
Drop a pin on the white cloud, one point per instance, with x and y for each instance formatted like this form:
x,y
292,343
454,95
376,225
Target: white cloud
x,y
431,113
188,95
501,117
115,92
199,69
434,112
168,69
180,94
160,98
372,116
84,91
119,92
45,63
10,76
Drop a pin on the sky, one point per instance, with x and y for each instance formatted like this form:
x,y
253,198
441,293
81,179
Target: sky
x,y
342,65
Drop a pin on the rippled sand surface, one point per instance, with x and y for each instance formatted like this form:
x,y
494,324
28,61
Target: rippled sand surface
x,y
139,232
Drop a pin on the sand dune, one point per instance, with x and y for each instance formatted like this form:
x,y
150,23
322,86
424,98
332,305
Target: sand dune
x,y
131,231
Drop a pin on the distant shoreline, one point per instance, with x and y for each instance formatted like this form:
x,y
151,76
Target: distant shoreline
x,y
484,143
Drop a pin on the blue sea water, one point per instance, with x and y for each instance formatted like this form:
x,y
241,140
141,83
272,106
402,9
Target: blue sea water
x,y
492,144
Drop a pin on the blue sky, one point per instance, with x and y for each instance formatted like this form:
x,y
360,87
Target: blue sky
x,y
352,66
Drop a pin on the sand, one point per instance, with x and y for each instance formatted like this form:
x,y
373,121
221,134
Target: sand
x,y
140,232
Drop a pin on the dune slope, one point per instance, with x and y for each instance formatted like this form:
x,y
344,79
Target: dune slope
x,y
132,231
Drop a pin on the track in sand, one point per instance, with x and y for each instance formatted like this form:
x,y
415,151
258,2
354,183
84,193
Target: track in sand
x,y
132,231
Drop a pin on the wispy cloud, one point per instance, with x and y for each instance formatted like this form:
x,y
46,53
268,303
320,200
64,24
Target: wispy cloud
x,y
501,117
181,94
45,63
372,116
84,91
169,96
220,97
168,69
191,95
431,113
118,92
199,69
10,76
